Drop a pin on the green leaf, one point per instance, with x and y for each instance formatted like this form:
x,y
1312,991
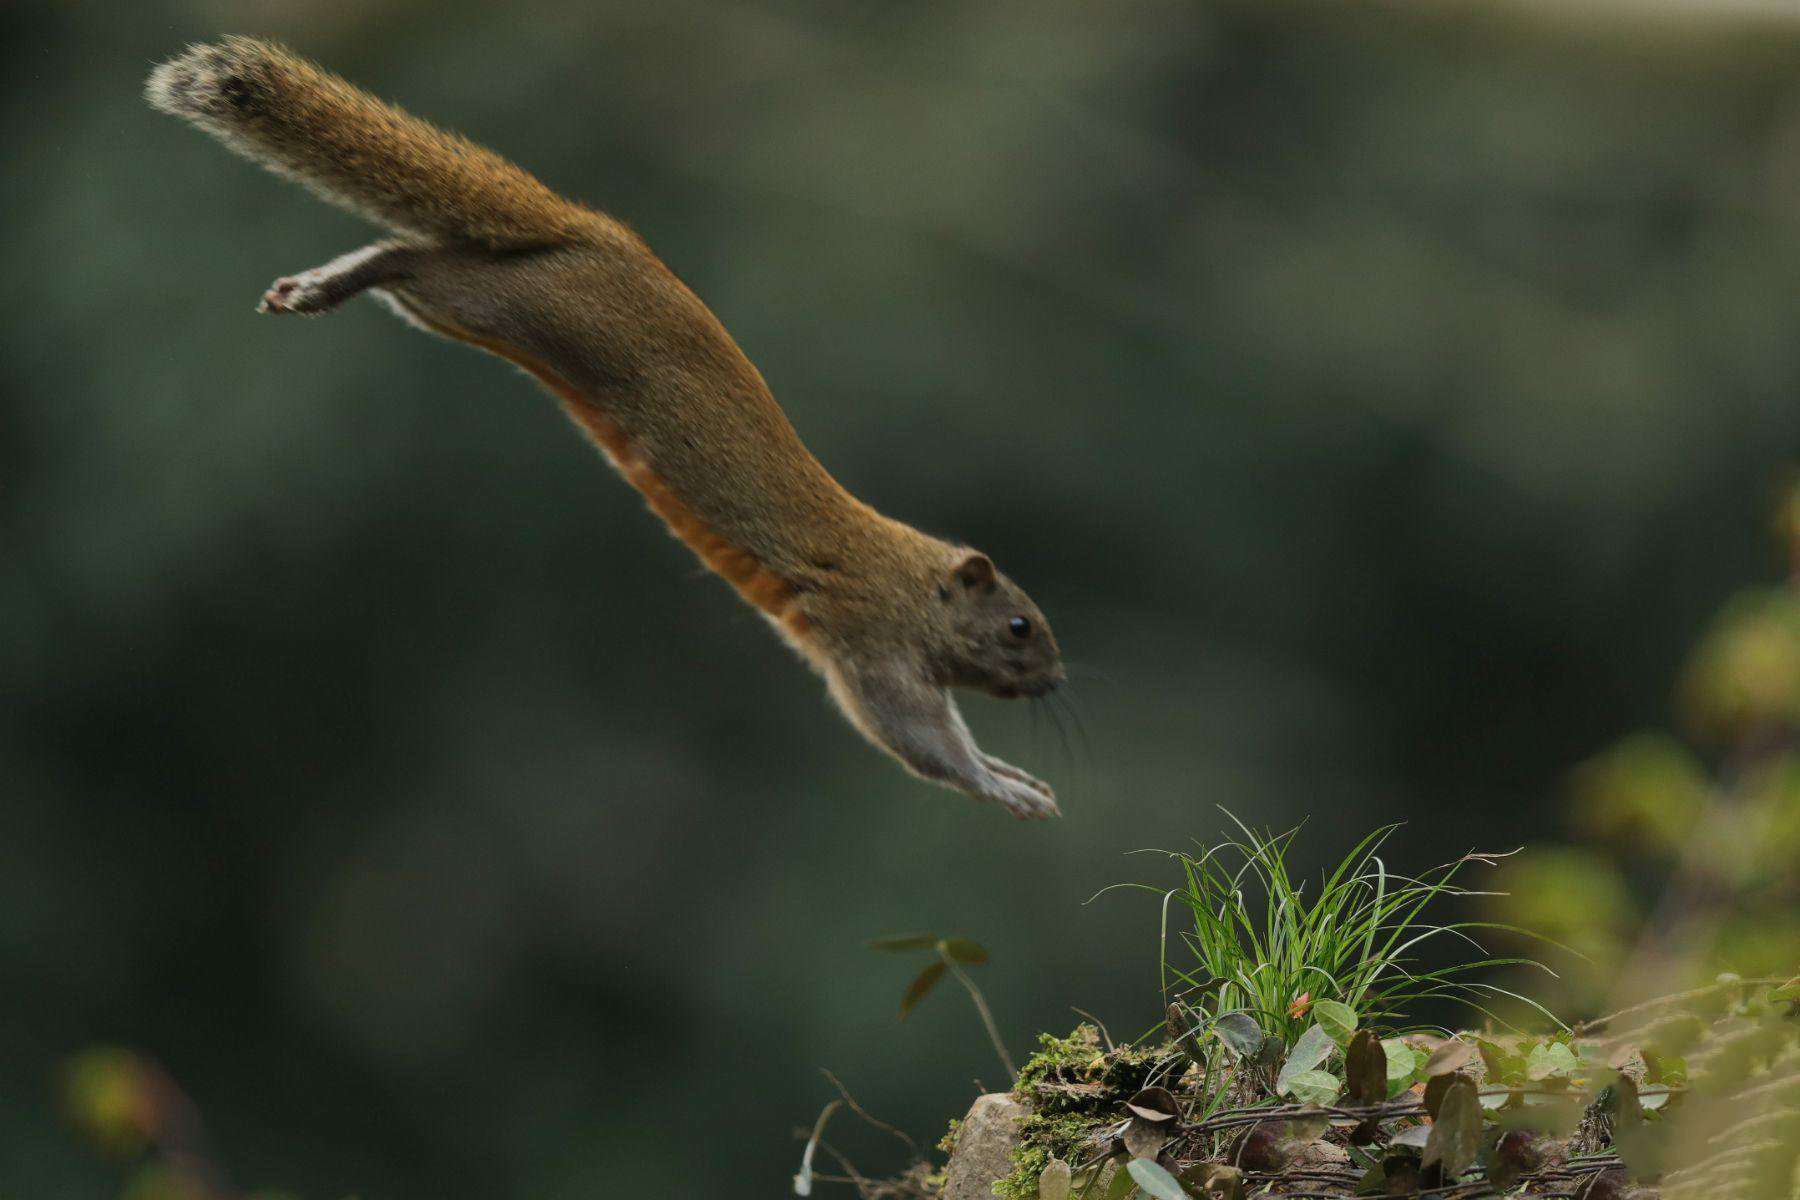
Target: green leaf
x,y
1240,1032
921,986
1365,1068
900,943
1337,1019
1403,1063
962,950
1311,1087
1551,1060
1155,1181
1456,1134
1659,1069
1311,1050
1503,1066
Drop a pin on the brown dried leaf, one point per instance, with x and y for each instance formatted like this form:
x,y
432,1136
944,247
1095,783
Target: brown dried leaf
x,y
1433,1096
1217,1182
1143,1139
1273,1145
970,954
921,986
1456,1133
1452,1055
1400,1175
1365,1069
1154,1104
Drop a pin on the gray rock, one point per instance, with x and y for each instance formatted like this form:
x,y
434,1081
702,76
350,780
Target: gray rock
x,y
984,1147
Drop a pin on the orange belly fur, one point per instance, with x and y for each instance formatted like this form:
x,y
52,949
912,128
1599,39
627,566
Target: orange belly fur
x,y
756,583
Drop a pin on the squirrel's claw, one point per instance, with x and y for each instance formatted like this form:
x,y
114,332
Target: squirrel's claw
x,y
293,294
1002,767
1024,796
1026,802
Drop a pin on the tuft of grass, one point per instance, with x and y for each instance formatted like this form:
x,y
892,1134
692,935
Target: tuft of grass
x,y
1262,946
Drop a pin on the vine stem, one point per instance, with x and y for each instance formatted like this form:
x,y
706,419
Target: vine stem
x,y
987,1017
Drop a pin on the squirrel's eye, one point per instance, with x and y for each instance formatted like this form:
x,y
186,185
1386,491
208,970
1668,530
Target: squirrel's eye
x,y
1021,627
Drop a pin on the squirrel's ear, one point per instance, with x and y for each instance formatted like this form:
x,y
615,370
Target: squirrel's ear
x,y
976,572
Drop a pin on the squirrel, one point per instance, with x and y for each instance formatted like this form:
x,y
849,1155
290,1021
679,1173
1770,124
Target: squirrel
x,y
484,253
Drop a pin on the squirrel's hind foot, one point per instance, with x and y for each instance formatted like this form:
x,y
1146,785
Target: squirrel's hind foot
x,y
324,288
295,294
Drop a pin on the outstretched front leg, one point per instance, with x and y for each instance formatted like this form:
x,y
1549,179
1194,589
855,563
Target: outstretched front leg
x,y
918,723
322,289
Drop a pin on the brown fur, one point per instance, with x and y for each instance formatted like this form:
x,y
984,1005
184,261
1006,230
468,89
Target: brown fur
x,y
284,112
891,616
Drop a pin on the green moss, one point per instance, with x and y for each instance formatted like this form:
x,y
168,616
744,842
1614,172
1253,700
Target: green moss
x,y
947,1143
1071,1073
1058,1058
1041,1138
1073,1086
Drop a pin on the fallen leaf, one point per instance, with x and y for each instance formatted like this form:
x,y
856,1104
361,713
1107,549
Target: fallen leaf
x,y
1154,1104
1143,1139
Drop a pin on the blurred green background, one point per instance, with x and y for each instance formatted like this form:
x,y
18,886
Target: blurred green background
x,y
1379,398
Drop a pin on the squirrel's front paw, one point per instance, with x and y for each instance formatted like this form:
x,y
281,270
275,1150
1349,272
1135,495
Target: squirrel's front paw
x,y
1019,794
1006,770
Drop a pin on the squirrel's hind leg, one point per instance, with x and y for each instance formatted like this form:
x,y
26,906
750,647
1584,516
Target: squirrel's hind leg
x,y
322,289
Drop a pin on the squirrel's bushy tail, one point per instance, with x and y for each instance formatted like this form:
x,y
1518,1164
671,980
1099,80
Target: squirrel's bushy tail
x,y
357,152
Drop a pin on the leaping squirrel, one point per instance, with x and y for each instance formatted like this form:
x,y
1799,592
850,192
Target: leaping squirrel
x,y
891,617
